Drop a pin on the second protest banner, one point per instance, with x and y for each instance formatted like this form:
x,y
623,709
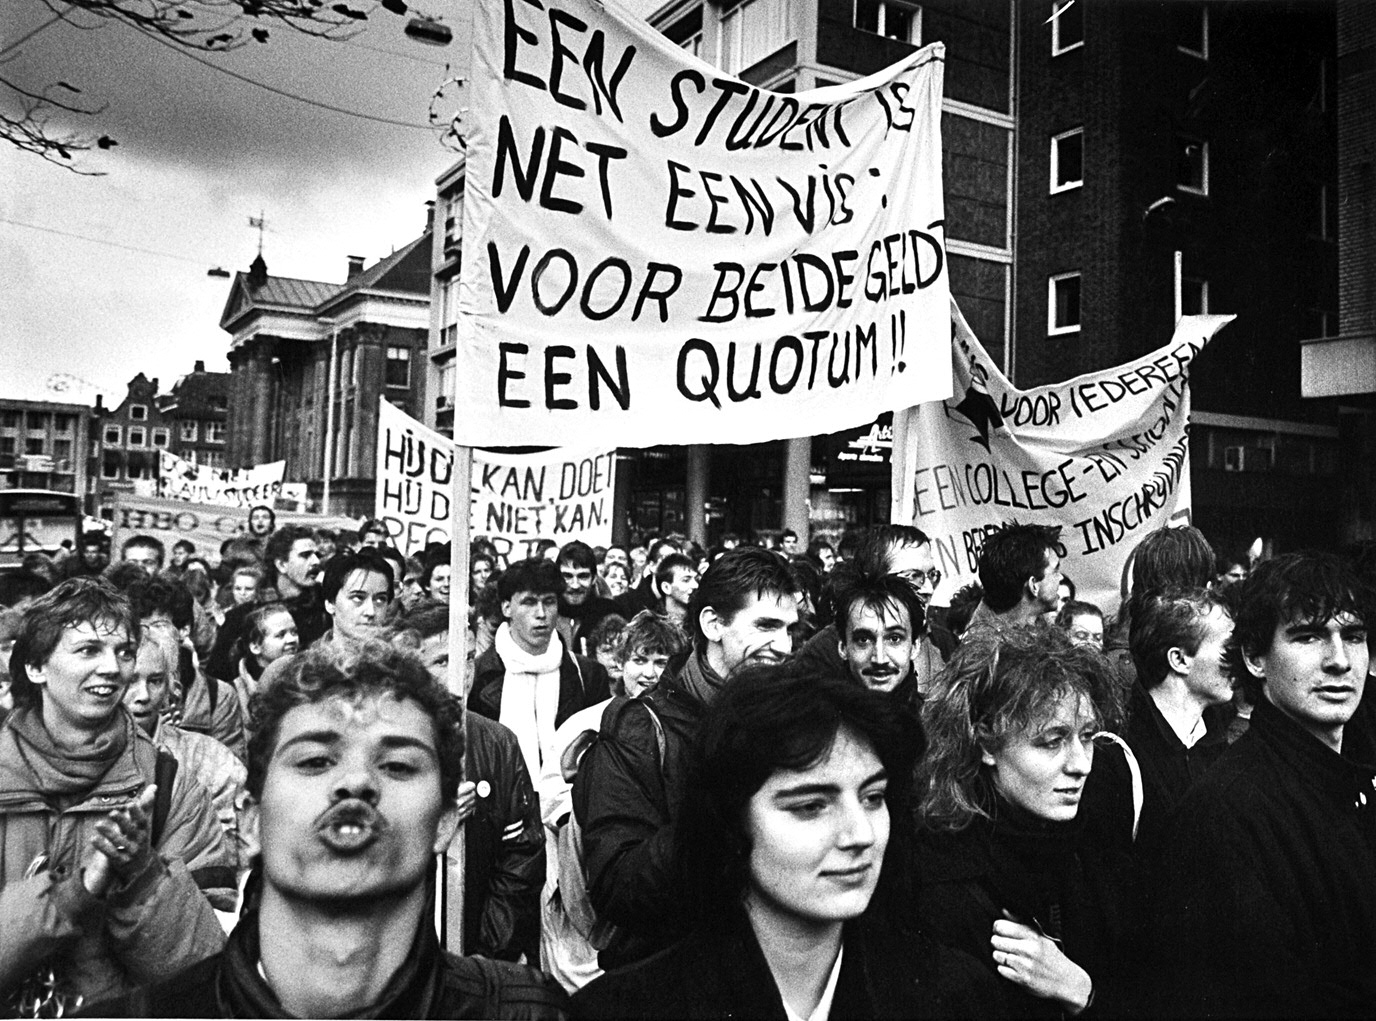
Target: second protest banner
x,y
1105,456
517,499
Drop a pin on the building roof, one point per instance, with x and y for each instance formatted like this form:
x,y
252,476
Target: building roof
x,y
198,395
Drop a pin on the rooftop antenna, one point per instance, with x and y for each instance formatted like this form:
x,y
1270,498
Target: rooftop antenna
x,y
261,223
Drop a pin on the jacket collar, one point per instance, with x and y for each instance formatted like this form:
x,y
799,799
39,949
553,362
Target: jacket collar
x,y
1314,763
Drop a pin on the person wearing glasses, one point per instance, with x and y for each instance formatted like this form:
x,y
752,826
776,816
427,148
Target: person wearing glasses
x,y
1020,572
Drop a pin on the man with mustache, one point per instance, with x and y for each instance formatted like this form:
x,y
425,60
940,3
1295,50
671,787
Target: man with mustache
x,y
1263,896
880,623
631,782
353,780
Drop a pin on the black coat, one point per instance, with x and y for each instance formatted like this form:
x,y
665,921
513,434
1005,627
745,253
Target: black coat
x,y
582,682
1264,894
884,974
626,798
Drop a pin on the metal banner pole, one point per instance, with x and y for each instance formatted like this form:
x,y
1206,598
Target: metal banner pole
x,y
451,936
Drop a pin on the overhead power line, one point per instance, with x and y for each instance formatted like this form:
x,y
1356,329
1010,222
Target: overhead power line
x,y
103,241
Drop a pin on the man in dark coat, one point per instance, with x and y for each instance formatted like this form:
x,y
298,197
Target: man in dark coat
x,y
581,609
1263,898
630,784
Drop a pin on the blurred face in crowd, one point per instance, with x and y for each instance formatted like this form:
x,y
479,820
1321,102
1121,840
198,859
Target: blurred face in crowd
x,y
617,579
351,811
642,670
434,653
94,555
302,566
638,557
1315,672
179,555
532,616
828,558
606,654
478,573
410,592
372,537
1207,677
439,582
360,605
1235,573
83,681
757,633
146,557
917,566
245,589
817,839
1048,588
147,694
324,546
617,555
1087,629
1042,768
260,522
681,587
878,645
790,544
577,583
279,639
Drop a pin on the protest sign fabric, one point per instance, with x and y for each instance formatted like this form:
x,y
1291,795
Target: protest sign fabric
x,y
657,252
1105,455
204,525
517,499
179,479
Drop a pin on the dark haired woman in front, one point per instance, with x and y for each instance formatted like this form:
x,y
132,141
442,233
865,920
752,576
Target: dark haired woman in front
x,y
1007,872
790,849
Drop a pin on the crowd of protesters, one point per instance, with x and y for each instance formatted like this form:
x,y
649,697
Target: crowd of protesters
x,y
756,780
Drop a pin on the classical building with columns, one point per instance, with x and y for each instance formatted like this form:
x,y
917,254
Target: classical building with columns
x,y
308,362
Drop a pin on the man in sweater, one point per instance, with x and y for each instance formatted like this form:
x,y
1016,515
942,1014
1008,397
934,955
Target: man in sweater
x,y
1263,897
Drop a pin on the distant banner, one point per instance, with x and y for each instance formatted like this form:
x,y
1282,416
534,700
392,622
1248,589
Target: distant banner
x,y
179,479
1106,456
662,253
204,525
518,499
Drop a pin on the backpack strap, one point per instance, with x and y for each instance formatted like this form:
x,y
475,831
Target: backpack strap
x,y
1135,769
164,775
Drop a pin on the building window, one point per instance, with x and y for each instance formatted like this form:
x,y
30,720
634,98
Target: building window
x,y
34,445
1191,29
1191,165
9,419
398,366
1068,160
113,435
62,450
215,432
896,20
63,424
109,468
137,436
1318,322
1067,25
138,412
1323,218
1063,303
752,30
159,437
38,422
1194,297
7,446
188,432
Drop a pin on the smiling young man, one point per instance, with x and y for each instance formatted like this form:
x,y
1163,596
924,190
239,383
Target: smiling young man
x,y
353,774
527,679
632,782
881,622
1264,894
96,880
581,609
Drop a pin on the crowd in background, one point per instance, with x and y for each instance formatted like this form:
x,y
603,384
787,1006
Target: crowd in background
x,y
762,779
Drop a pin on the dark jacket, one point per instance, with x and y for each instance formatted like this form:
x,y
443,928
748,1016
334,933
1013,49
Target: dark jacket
x,y
577,622
505,847
626,799
1044,875
884,974
641,597
1264,893
582,682
1169,769
211,707
430,984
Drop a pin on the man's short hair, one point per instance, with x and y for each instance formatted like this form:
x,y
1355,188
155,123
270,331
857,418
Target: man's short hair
x,y
427,620
534,574
146,541
733,579
281,541
165,596
875,547
374,526
578,555
1307,586
340,566
1171,558
651,634
323,672
183,544
879,592
664,573
76,601
1173,619
1010,556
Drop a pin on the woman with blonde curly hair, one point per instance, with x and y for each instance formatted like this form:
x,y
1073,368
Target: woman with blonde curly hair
x,y
1007,871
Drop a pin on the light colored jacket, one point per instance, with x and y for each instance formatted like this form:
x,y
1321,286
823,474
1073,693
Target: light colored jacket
x,y
139,932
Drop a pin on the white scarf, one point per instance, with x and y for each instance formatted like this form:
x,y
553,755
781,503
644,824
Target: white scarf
x,y
530,695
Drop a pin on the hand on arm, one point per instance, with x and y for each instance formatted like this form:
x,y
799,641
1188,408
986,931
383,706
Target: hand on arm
x,y
1035,962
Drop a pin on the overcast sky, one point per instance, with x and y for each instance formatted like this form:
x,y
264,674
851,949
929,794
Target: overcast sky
x,y
199,153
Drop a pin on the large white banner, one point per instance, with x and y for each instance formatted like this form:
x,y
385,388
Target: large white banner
x,y
205,526
1105,455
517,499
179,479
657,252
